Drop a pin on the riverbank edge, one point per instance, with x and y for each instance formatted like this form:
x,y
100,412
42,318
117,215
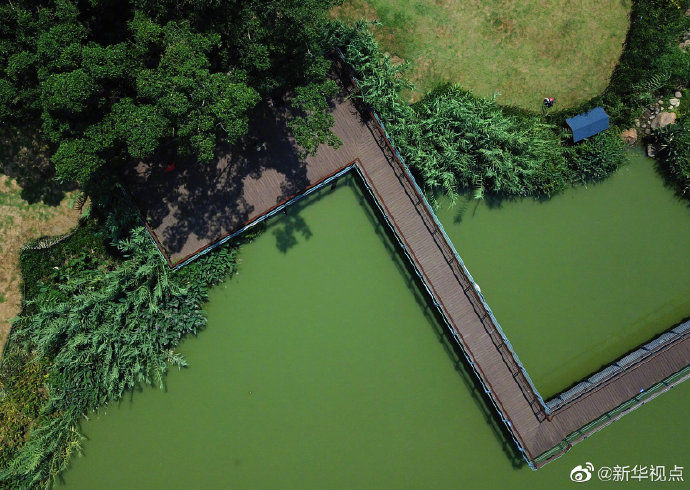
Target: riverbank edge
x,y
652,64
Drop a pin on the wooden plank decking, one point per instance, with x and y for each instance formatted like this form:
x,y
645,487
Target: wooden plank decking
x,y
197,206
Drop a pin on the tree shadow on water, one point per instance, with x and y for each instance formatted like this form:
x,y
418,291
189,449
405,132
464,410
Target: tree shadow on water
x,y
287,230
464,203
290,224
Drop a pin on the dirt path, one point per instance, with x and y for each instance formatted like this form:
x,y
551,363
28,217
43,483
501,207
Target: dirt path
x,y
20,222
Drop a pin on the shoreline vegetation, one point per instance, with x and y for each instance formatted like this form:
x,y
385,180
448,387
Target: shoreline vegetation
x,y
454,140
102,313
102,316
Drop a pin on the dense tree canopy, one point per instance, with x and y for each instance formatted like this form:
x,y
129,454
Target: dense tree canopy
x,y
112,81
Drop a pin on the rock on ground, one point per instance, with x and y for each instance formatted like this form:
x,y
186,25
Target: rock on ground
x,y
664,119
629,136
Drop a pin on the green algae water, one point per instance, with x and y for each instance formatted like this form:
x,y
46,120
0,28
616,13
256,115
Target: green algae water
x,y
581,279
321,367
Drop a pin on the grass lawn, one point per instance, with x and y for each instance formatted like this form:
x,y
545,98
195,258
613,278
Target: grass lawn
x,y
524,49
20,222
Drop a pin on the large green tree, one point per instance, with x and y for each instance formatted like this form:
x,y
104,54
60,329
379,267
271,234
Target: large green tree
x,y
111,81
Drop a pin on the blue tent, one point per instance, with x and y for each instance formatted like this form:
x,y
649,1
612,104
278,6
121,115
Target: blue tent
x,y
588,124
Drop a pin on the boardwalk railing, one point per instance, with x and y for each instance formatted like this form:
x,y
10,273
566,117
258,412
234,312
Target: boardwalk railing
x,y
468,284
611,416
548,423
464,277
268,214
639,355
457,336
542,410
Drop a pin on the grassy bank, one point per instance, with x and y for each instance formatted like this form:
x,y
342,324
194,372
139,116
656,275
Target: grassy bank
x,y
652,63
455,140
525,50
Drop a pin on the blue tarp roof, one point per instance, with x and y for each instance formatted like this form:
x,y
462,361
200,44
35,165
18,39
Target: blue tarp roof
x,y
588,124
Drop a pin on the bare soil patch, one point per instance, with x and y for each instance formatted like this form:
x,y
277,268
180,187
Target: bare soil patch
x,y
20,222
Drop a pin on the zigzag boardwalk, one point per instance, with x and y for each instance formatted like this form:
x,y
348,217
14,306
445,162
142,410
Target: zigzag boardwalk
x,y
269,183
473,326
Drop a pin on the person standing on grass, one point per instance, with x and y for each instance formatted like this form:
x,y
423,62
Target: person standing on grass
x,y
547,104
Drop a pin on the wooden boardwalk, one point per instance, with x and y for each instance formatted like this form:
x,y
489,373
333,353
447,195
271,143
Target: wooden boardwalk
x,y
196,204
183,224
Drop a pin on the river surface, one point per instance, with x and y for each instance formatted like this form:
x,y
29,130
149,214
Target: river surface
x,y
322,367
